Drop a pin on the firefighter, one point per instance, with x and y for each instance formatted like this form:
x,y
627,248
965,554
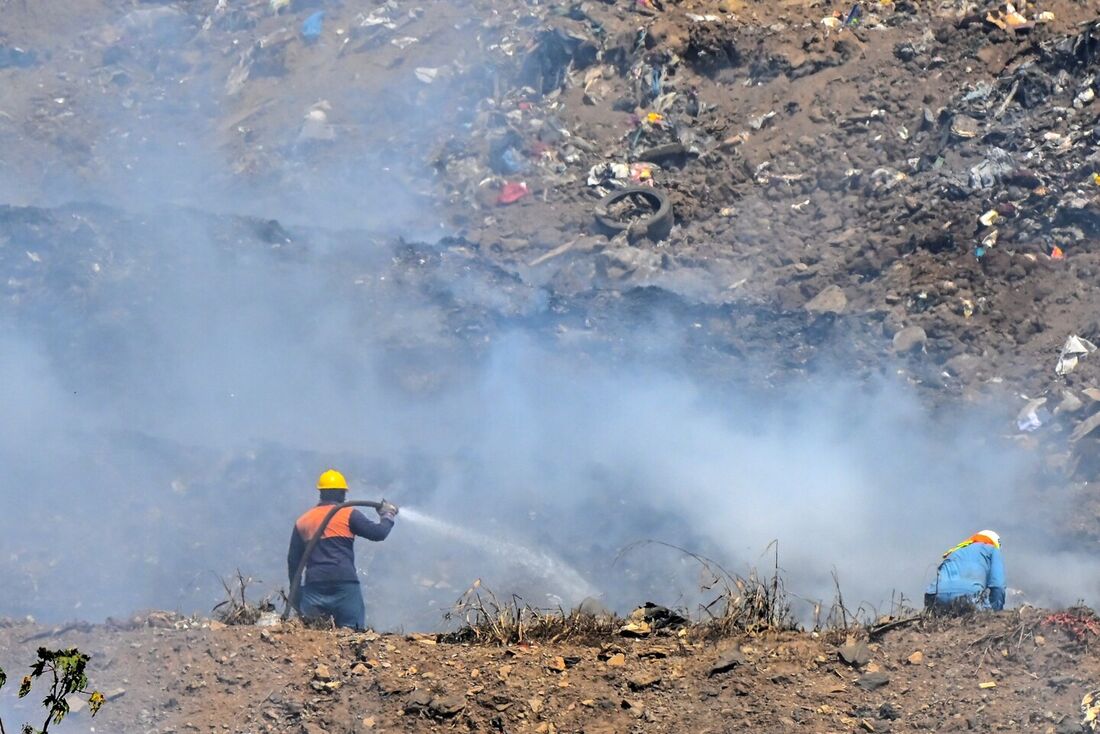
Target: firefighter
x,y
330,584
972,574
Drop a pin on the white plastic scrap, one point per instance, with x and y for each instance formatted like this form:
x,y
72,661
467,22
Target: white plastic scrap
x,y
1031,415
1074,348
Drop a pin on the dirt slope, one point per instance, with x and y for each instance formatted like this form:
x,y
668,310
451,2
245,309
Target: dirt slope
x,y
923,678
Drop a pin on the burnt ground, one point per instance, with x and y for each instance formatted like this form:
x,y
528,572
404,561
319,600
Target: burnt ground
x,y
926,677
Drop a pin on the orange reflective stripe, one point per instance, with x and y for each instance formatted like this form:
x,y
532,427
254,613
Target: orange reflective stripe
x,y
338,527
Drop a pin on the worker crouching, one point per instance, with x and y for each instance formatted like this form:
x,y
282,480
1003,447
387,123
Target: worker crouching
x,y
330,585
970,576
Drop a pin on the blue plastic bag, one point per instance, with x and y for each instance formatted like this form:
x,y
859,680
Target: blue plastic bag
x,y
311,28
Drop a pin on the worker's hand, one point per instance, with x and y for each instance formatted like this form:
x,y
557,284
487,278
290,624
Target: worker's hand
x,y
387,511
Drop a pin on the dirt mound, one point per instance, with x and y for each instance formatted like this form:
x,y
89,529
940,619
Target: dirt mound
x,y
1010,672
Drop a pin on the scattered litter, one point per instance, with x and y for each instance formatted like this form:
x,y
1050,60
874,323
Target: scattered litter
x,y
311,28
989,218
1007,18
426,74
637,208
620,175
404,42
1033,415
854,16
758,123
988,684
1074,348
1090,711
512,192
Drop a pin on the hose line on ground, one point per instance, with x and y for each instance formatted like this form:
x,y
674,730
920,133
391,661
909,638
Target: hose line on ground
x,y
296,582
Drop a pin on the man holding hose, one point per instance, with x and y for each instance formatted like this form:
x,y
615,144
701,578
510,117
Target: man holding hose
x,y
330,584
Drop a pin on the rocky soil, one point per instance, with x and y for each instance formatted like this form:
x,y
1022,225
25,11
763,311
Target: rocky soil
x,y
1006,672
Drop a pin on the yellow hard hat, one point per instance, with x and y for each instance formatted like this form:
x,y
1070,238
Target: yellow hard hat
x,y
332,479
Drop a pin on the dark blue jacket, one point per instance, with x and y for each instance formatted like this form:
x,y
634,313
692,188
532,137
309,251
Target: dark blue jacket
x,y
333,558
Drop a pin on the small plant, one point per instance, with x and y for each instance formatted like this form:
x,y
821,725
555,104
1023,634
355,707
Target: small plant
x,y
64,669
743,604
236,609
486,619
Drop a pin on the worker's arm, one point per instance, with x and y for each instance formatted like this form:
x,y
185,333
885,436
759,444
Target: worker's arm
x,y
364,528
294,554
996,581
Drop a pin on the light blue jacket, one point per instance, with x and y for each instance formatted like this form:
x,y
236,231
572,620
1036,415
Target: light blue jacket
x,y
968,572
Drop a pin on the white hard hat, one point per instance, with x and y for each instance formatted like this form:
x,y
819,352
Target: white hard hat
x,y
992,535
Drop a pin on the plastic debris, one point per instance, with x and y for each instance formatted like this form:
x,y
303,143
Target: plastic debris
x,y
311,28
620,175
988,684
854,16
1090,711
1074,349
989,218
1007,17
1056,253
1033,415
426,74
512,192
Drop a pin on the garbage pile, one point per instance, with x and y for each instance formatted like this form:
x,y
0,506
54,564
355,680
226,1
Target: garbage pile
x,y
897,187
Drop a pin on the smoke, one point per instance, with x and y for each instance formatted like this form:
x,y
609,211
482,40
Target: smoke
x,y
173,381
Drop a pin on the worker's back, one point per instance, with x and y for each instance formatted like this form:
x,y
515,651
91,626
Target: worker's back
x,y
333,558
968,571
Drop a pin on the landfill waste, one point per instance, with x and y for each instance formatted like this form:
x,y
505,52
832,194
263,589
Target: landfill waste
x,y
637,209
1074,349
512,191
1033,415
1090,711
313,25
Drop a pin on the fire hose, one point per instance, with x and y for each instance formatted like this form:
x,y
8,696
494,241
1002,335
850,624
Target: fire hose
x,y
296,581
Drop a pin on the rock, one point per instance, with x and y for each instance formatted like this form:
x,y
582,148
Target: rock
x,y
536,705
322,673
359,669
557,664
909,339
642,680
446,707
916,658
855,653
1070,403
873,681
963,126
310,728
635,629
965,366
617,660
888,712
726,662
418,702
830,300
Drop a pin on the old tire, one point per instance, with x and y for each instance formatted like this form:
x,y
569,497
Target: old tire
x,y
657,225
